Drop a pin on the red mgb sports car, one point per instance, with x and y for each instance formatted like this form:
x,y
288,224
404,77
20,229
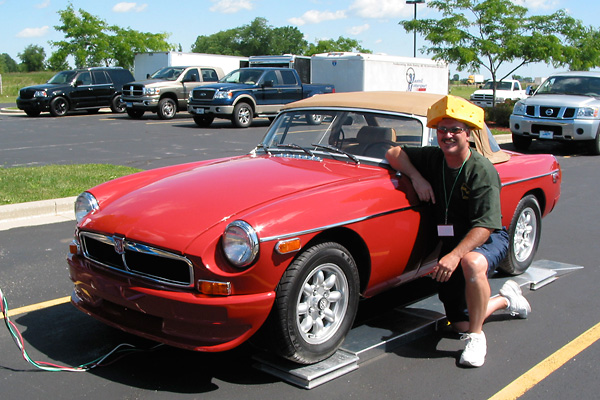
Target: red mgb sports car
x,y
286,238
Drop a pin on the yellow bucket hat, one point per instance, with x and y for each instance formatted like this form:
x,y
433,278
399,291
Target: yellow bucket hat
x,y
456,108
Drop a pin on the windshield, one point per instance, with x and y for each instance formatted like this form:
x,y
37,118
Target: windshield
x,y
581,85
499,85
245,76
62,77
359,133
168,73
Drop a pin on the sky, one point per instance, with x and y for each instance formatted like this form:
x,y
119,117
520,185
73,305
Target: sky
x,y
374,23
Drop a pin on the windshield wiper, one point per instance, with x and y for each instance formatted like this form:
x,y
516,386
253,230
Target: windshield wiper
x,y
264,147
295,146
334,149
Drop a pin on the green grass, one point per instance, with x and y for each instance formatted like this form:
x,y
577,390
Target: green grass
x,y
23,184
464,91
12,82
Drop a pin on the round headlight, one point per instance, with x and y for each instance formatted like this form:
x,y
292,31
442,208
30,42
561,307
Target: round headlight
x,y
85,203
240,243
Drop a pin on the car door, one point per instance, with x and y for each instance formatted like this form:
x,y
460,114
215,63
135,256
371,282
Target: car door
x,y
102,89
190,80
81,95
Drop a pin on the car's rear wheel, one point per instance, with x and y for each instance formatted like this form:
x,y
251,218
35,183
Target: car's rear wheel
x,y
59,107
317,300
524,236
117,106
521,142
135,114
203,121
166,108
242,115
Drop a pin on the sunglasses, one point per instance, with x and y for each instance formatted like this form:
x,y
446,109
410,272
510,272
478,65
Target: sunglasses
x,y
454,130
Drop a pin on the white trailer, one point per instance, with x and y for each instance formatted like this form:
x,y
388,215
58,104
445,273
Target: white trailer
x,y
352,72
147,63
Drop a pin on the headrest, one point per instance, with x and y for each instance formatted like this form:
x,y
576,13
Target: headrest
x,y
370,134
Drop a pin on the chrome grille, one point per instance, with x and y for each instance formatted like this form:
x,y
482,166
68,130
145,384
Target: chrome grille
x,y
118,253
133,90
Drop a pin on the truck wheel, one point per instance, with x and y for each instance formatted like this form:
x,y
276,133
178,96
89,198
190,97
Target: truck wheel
x,y
135,114
59,107
523,236
315,305
521,142
594,145
166,108
242,115
117,106
203,121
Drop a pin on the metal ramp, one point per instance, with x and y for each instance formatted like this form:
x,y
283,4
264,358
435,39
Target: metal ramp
x,y
393,329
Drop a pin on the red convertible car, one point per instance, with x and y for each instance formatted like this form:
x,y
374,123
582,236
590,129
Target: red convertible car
x,y
286,238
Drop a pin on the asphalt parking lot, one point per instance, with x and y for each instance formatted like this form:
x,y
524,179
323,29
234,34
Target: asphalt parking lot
x,y
33,271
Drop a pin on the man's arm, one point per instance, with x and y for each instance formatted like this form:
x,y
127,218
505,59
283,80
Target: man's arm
x,y
448,264
400,161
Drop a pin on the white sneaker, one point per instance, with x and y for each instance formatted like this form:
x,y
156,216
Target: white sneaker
x,y
475,350
517,303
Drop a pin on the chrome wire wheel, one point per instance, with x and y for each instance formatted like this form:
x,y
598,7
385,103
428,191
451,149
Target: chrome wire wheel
x,y
322,303
525,235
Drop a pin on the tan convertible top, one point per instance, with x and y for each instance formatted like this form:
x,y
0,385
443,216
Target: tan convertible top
x,y
415,103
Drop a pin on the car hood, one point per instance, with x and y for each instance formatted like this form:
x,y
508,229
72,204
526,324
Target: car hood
x,y
153,82
228,86
561,100
46,86
173,207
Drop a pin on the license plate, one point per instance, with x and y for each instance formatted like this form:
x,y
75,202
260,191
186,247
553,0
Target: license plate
x,y
199,110
128,104
546,135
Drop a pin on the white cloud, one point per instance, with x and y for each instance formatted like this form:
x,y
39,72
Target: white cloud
x,y
537,4
33,32
357,30
231,6
44,4
315,17
381,8
128,7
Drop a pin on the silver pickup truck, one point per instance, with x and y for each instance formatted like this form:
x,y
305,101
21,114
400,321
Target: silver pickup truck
x,y
566,107
166,91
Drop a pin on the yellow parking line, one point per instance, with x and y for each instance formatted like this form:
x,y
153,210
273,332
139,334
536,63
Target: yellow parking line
x,y
535,375
38,306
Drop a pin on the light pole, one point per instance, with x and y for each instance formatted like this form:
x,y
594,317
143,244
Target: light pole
x,y
415,2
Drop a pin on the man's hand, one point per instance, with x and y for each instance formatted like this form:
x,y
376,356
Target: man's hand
x,y
423,189
445,267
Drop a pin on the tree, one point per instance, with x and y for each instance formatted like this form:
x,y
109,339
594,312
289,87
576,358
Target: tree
x,y
259,38
492,34
7,64
341,44
32,58
92,42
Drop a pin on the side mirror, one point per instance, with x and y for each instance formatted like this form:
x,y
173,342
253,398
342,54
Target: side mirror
x,y
78,83
529,90
268,84
147,76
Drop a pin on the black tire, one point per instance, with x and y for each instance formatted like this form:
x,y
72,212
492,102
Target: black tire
x,y
117,106
309,326
59,107
521,142
135,114
594,145
32,113
242,115
203,121
93,110
166,108
524,236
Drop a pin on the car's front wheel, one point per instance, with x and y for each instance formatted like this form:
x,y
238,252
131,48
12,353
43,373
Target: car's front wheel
x,y
32,112
594,145
166,108
203,121
59,107
135,114
524,236
242,115
317,300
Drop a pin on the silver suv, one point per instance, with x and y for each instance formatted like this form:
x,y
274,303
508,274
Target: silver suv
x,y
566,107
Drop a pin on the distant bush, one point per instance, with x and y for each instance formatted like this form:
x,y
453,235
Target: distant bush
x,y
500,115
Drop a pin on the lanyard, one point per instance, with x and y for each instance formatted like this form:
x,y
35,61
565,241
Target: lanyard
x,y
447,197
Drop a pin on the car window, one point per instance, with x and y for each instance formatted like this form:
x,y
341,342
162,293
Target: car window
x,y
289,78
189,75
100,77
360,133
84,78
271,76
209,75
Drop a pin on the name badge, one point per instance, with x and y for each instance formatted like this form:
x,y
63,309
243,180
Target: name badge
x,y
445,230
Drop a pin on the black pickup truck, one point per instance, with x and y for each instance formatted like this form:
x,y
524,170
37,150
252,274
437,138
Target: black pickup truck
x,y
246,93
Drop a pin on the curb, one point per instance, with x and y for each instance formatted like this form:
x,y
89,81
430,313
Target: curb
x,y
37,212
